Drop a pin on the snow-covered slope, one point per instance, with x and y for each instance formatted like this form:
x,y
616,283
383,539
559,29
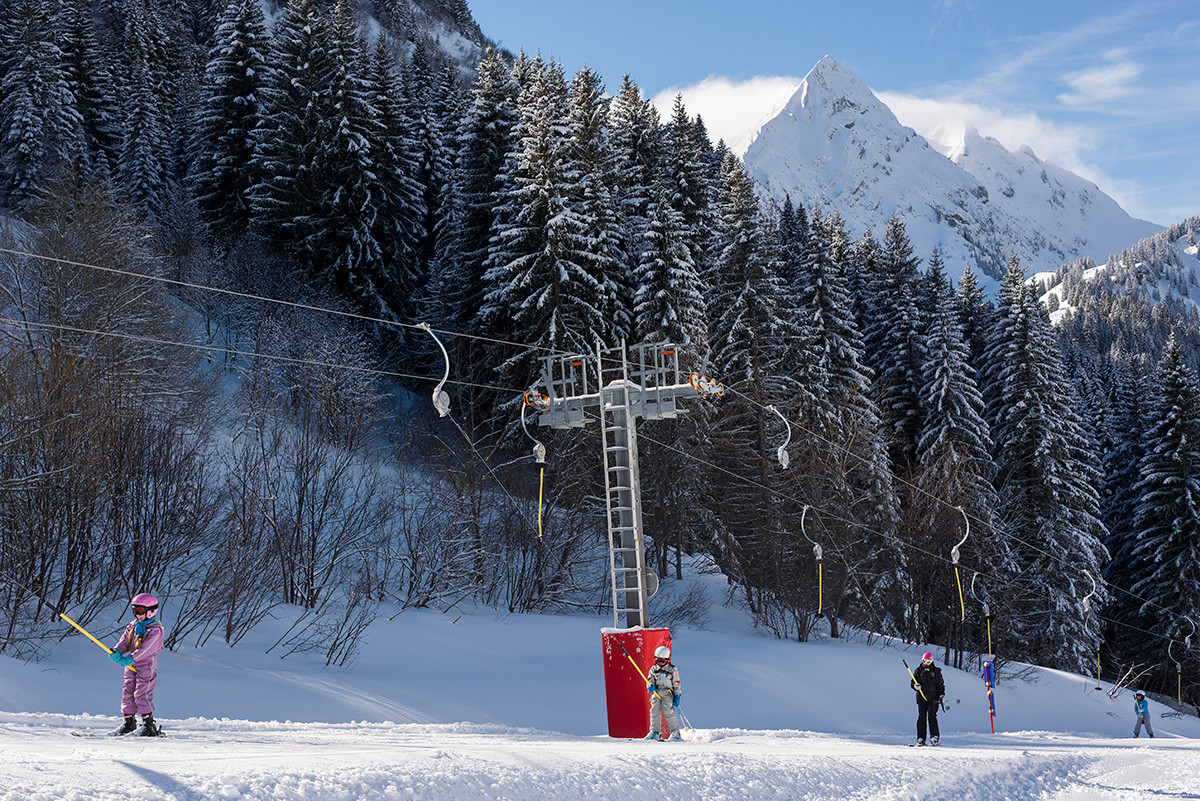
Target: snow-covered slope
x,y
472,705
1162,268
838,147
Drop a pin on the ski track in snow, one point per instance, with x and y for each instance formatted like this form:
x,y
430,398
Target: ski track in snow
x,y
202,758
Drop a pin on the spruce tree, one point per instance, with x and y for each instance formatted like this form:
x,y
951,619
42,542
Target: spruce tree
x,y
975,319
955,469
1167,517
486,137
40,126
750,347
1046,483
287,142
91,83
635,143
894,346
230,111
669,304
539,291
401,197
850,471
349,201
597,243
431,133
145,163
687,175
1118,505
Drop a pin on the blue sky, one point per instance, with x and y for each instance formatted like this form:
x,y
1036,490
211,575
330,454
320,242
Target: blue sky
x,y
1110,90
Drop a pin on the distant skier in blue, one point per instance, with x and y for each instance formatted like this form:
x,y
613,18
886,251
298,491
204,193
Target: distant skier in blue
x,y
931,691
1141,708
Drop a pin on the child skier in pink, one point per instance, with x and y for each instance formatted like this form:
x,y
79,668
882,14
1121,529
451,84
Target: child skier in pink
x,y
138,649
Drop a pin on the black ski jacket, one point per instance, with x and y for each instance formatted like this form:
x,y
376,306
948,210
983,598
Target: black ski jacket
x,y
930,679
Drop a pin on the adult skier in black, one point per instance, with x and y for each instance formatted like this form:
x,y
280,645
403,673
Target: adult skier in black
x,y
931,692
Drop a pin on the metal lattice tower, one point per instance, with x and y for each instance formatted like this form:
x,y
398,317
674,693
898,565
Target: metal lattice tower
x,y
623,386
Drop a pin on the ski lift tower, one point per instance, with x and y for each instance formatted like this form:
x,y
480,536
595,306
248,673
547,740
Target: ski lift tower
x,y
622,384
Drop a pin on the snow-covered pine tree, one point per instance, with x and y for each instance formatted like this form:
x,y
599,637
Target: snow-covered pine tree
x,y
431,133
349,200
40,126
861,266
896,269
1118,506
975,317
793,242
598,246
486,138
669,304
669,307
954,469
224,168
287,142
145,163
1167,518
850,479
636,135
635,150
1046,484
750,348
686,172
539,291
91,83
401,217
894,347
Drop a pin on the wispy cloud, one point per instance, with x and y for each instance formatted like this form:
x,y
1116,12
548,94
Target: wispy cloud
x,y
732,110
1099,85
1064,145
1068,146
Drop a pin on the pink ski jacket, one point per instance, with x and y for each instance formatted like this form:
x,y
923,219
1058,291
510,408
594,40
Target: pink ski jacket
x,y
144,649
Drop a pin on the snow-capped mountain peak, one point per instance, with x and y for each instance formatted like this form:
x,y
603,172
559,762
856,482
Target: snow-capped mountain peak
x,y
836,146
832,88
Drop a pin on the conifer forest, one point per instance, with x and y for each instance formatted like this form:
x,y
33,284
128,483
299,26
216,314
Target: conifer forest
x,y
221,232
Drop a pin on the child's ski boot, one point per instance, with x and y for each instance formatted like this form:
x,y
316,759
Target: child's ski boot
x,y
149,727
128,726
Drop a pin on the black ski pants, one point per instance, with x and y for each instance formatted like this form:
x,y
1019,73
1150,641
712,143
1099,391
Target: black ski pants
x,y
927,709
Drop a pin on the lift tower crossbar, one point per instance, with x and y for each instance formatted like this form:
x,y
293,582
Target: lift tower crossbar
x,y
623,384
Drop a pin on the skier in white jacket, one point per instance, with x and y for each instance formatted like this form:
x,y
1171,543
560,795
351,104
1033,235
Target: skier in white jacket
x,y
663,686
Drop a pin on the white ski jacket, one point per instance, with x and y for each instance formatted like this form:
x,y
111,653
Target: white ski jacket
x,y
665,679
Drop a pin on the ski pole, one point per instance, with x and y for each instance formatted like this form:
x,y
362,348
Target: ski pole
x,y
638,669
55,610
683,717
914,678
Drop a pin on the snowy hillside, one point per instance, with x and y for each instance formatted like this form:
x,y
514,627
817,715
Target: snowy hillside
x,y
1162,268
479,705
838,147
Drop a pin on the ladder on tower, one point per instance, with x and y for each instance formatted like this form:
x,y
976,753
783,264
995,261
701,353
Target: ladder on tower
x,y
622,491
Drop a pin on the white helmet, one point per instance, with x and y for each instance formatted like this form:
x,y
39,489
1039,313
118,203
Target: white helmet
x,y
1139,692
662,652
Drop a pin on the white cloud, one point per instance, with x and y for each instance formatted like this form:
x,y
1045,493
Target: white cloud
x,y
1064,145
733,111
1100,84
1060,144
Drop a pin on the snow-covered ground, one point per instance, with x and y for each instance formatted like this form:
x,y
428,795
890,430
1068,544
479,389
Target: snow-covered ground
x,y
490,706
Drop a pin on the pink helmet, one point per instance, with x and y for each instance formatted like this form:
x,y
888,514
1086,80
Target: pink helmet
x,y
927,658
147,600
